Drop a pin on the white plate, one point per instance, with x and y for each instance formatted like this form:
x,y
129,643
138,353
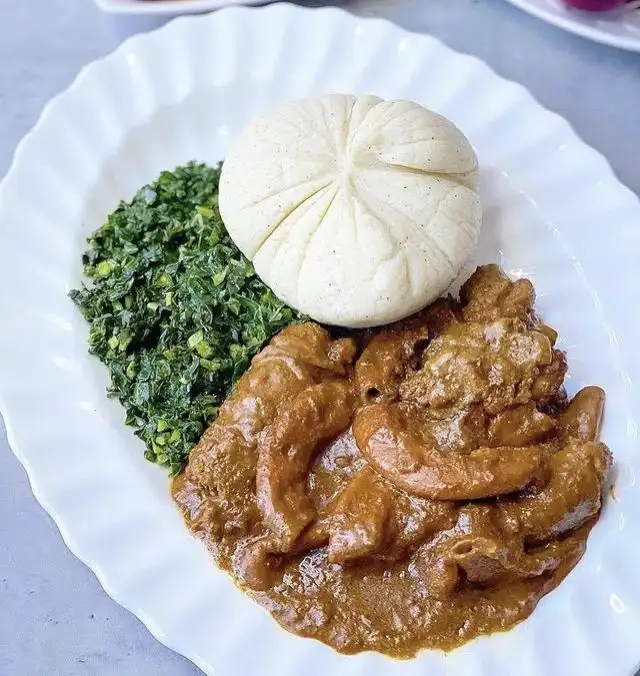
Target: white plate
x,y
620,28
553,211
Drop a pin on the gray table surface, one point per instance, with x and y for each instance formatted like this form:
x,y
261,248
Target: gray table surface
x,y
54,617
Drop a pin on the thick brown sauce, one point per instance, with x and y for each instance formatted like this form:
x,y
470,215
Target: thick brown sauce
x,y
413,488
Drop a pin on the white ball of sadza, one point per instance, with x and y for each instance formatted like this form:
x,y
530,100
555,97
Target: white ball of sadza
x,y
355,210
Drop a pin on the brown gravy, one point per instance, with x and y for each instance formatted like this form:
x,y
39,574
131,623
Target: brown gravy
x,y
409,488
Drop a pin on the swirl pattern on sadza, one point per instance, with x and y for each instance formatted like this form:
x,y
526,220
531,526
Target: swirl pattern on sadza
x,y
407,487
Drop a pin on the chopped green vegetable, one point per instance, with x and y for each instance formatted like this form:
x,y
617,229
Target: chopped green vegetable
x,y
176,312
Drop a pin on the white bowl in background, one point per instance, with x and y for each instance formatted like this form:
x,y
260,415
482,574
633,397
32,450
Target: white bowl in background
x,y
166,8
135,16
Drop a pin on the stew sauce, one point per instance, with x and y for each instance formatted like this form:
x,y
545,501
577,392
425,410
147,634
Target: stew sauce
x,y
411,487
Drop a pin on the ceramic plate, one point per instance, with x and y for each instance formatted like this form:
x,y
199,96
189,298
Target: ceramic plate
x,y
552,211
617,28
168,7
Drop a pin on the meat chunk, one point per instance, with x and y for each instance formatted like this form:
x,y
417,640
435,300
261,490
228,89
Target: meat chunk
x,y
392,440
479,552
496,364
572,495
286,449
485,562
359,518
548,384
253,563
385,360
489,295
582,418
521,426
372,519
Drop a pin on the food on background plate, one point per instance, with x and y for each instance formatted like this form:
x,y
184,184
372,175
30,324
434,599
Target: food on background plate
x,y
413,486
175,310
354,210
599,5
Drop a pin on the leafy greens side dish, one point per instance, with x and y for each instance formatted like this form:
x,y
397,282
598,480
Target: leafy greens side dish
x,y
176,312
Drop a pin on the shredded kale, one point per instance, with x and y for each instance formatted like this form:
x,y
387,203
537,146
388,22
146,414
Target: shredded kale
x,y
176,312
